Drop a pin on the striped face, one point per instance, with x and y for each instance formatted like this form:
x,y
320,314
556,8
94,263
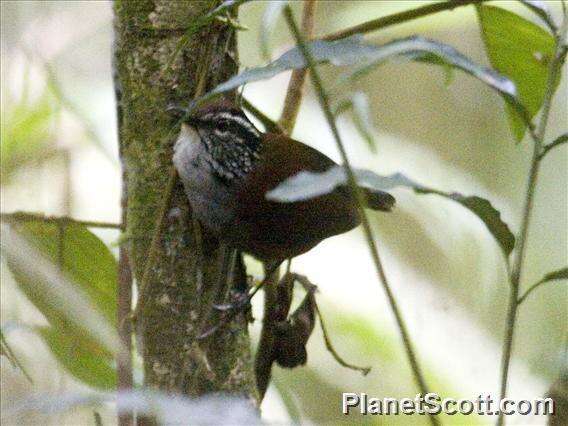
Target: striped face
x,y
231,141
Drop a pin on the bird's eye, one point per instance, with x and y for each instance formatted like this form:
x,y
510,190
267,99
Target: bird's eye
x,y
223,125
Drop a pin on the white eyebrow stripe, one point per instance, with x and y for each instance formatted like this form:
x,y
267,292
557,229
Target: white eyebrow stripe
x,y
240,120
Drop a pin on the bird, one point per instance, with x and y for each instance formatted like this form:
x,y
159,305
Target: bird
x,y
227,166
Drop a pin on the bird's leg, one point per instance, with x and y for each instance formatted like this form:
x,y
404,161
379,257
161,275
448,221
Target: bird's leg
x,y
231,310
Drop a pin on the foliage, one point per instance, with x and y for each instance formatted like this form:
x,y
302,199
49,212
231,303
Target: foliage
x,y
522,51
70,247
27,130
306,185
353,51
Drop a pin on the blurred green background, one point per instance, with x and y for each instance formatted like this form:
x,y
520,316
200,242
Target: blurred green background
x,y
59,156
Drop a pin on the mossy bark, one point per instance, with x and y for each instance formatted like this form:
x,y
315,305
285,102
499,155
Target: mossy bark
x,y
147,34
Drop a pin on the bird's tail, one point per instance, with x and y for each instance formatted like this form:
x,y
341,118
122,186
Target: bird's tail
x,y
379,200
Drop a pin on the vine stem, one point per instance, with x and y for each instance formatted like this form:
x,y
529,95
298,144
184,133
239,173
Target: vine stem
x,y
272,311
399,18
296,84
57,220
516,271
324,103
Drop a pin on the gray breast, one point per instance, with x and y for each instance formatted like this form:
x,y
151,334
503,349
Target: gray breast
x,y
207,194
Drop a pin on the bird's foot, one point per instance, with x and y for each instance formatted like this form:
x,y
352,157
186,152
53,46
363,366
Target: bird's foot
x,y
241,301
229,311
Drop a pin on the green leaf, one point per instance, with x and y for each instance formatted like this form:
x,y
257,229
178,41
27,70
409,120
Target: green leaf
x,y
521,51
541,9
305,185
560,274
87,261
81,357
352,51
27,130
89,264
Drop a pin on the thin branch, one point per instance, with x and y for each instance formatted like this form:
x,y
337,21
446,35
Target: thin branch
x,y
56,220
124,306
125,377
323,100
538,139
98,418
531,289
310,287
61,246
333,352
296,84
269,124
562,139
6,350
274,311
399,18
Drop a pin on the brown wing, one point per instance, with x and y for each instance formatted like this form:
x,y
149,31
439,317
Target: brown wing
x,y
281,230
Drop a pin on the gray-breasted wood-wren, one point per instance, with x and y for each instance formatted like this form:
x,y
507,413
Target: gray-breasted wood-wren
x,y
227,166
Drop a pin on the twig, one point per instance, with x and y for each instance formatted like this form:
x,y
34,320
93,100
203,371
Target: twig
x,y
56,220
531,289
266,344
333,352
324,103
60,246
310,287
538,138
124,282
6,350
124,357
296,84
273,311
399,18
98,418
267,122
557,142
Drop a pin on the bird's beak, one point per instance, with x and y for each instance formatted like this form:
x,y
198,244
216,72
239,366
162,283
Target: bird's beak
x,y
192,121
176,110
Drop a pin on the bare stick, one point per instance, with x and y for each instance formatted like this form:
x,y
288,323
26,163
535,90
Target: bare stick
x,y
270,125
399,18
324,103
56,220
519,255
295,86
310,287
266,346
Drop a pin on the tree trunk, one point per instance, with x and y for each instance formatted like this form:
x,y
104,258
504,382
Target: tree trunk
x,y
148,33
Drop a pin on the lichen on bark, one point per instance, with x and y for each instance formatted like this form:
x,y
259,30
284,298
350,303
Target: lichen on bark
x,y
147,33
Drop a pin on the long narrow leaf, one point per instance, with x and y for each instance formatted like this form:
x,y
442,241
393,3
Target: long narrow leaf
x,y
352,51
60,300
305,185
